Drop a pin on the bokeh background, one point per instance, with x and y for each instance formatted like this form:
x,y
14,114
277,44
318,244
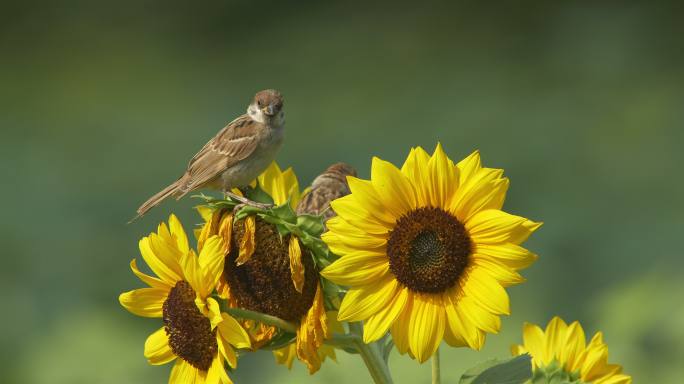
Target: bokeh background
x,y
103,103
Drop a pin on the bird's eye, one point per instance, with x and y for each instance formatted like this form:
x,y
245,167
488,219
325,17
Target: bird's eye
x,y
259,103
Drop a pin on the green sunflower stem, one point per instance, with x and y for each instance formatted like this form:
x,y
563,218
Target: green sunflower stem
x,y
262,318
372,356
436,374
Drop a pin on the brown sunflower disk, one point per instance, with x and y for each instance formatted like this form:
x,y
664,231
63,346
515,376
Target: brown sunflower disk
x,y
264,283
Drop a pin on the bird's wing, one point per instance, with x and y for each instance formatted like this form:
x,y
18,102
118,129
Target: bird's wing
x,y
235,142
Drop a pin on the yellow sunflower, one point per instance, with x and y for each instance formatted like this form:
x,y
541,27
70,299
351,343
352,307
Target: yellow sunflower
x,y
426,251
196,334
272,274
565,346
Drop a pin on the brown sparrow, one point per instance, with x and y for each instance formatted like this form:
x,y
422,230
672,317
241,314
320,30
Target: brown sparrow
x,y
236,155
328,186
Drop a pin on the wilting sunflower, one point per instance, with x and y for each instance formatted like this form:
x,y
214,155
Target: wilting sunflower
x,y
196,334
272,274
563,347
427,251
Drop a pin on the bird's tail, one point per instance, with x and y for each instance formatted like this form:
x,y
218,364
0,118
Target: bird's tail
x,y
157,198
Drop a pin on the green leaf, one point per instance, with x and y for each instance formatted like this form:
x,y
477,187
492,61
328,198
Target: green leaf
x,y
515,370
311,224
284,212
257,194
247,210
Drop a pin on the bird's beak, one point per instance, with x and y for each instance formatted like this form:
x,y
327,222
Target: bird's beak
x,y
269,110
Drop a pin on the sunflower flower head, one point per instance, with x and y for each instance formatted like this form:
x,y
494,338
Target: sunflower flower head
x,y
196,334
427,251
270,266
561,351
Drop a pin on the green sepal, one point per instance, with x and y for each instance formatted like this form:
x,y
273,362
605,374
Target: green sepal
x,y
515,370
554,374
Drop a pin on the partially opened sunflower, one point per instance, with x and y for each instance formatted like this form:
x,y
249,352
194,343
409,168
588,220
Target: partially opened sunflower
x,y
272,274
426,251
196,334
562,349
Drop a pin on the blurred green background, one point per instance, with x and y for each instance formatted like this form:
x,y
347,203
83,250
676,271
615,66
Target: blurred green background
x,y
103,103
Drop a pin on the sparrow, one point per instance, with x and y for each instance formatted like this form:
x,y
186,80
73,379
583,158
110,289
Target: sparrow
x,y
328,186
236,155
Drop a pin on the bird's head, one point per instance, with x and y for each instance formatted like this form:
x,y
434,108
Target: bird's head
x,y
267,106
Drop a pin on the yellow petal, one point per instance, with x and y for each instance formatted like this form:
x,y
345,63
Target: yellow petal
x,y
522,232
399,329
416,169
486,291
311,334
296,266
502,273
377,325
213,312
366,196
460,331
247,243
594,356
357,269
157,349
479,316
226,350
193,274
145,302
484,194
209,228
285,355
533,339
512,255
348,209
517,350
178,234
211,261
233,332
183,373
163,264
359,304
204,212
292,187
217,373
555,337
280,185
572,347
615,379
443,178
343,227
226,232
149,280
342,244
393,187
493,226
469,166
426,326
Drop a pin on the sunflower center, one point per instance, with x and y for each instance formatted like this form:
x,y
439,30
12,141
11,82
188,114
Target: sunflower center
x,y
189,332
264,282
428,250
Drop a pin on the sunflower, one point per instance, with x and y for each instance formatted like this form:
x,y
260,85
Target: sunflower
x,y
272,274
196,334
563,347
426,252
